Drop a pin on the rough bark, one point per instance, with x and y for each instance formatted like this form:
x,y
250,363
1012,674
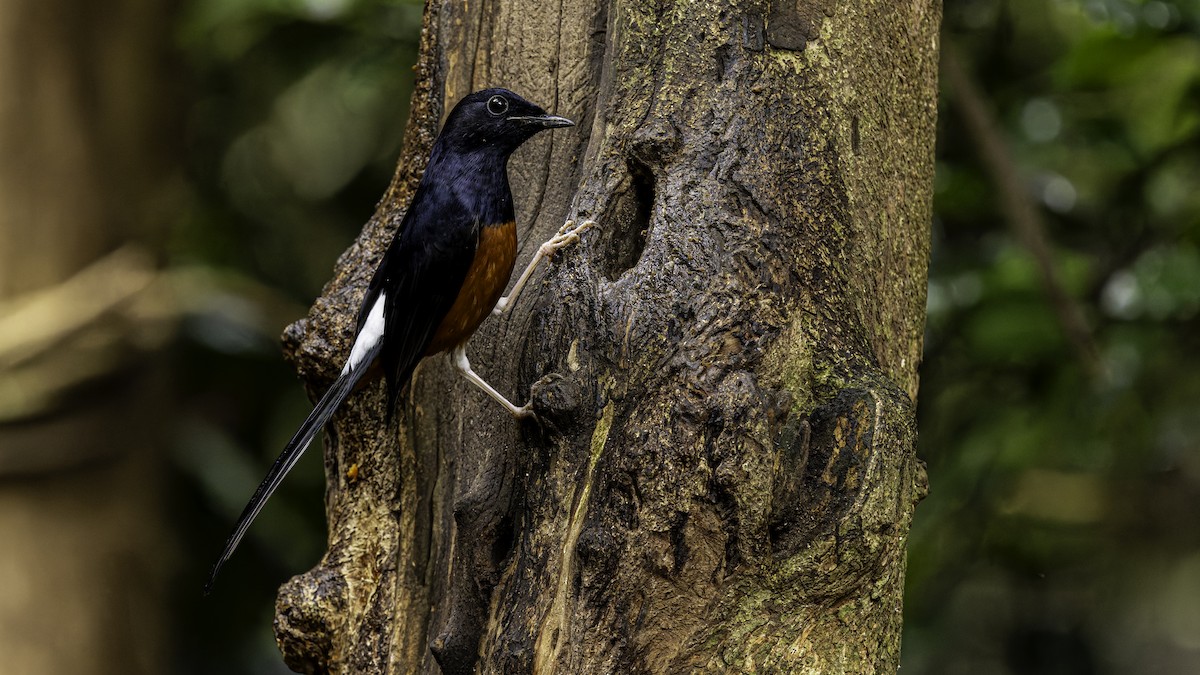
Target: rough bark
x,y
723,476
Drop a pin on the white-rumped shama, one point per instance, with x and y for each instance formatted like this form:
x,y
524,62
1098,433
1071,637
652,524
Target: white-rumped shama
x,y
443,273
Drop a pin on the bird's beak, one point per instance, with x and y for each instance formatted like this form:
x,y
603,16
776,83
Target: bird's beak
x,y
545,121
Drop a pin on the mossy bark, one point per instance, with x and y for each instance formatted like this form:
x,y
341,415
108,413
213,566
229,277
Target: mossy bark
x,y
722,476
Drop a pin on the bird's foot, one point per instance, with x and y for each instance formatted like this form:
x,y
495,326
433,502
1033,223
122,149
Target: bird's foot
x,y
567,234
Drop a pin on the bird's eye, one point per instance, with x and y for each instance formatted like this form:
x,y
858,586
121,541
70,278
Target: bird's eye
x,y
497,105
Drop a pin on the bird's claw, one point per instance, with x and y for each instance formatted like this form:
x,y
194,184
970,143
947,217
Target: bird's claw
x,y
567,234
571,227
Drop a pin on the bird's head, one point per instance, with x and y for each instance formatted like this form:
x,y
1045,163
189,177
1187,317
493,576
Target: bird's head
x,y
495,120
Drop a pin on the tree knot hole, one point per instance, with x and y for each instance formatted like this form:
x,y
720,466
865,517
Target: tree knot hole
x,y
632,210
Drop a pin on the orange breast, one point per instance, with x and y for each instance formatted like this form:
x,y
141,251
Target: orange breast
x,y
486,279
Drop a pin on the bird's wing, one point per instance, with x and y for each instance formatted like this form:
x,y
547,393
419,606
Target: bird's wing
x,y
422,276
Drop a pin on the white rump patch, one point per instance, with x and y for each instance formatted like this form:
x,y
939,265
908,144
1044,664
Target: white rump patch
x,y
368,337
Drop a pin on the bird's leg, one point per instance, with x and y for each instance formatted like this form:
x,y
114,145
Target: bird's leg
x,y
568,234
459,357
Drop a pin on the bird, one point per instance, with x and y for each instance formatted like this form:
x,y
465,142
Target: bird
x,y
442,274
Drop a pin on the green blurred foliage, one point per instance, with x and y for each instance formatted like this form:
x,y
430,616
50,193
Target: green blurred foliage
x,y
293,129
1061,534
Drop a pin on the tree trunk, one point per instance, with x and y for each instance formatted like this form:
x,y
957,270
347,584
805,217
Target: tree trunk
x,y
722,476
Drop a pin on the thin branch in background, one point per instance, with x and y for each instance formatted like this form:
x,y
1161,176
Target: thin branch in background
x,y
1019,209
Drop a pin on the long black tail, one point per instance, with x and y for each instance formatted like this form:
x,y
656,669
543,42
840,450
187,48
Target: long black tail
x,y
316,420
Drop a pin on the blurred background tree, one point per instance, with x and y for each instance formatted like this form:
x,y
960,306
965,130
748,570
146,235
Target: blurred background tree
x,y
87,167
1062,532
